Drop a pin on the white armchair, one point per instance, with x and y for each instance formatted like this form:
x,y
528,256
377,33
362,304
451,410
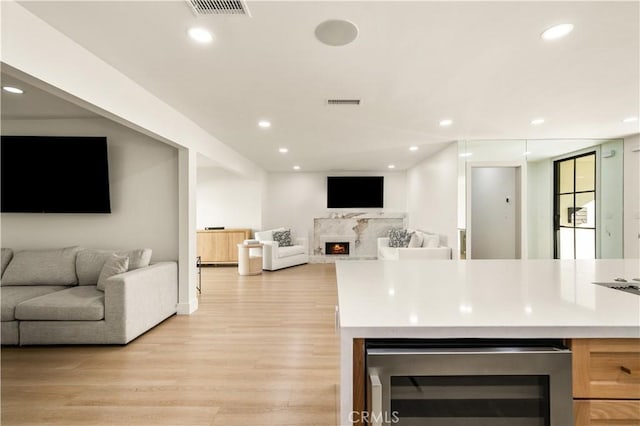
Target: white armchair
x,y
276,257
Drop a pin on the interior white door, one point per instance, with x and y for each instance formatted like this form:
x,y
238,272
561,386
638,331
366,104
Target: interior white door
x,y
494,209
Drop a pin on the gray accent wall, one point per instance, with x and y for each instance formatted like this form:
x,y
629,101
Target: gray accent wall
x,y
143,175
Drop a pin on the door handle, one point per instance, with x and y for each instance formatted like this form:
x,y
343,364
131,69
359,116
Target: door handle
x,y
376,401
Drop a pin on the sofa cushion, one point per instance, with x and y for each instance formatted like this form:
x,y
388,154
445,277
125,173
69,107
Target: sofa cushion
x,y
11,296
283,238
80,303
399,237
42,267
115,265
89,262
290,251
6,254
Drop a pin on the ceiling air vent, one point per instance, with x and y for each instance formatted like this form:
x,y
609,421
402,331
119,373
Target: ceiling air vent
x,y
343,101
219,7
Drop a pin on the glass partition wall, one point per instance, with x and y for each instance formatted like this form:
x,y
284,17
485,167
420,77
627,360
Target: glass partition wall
x,y
571,190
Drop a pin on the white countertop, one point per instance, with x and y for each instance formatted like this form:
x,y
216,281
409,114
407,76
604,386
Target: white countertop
x,y
487,298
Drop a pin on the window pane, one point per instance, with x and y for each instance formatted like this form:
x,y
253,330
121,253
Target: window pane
x,y
586,173
585,210
585,244
566,210
565,239
565,179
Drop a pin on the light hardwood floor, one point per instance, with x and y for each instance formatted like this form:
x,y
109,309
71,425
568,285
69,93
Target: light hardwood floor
x,y
261,350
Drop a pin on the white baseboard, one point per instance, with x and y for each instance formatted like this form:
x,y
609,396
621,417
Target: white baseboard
x,y
188,308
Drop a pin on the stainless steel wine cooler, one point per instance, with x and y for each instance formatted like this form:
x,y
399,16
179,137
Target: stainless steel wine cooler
x,y
470,386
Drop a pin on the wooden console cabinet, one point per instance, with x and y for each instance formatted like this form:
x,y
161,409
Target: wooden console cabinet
x,y
606,382
221,246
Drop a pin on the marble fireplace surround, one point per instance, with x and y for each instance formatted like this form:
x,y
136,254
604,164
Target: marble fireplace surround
x,y
360,230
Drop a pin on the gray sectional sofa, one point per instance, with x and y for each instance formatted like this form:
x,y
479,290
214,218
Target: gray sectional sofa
x,y
83,296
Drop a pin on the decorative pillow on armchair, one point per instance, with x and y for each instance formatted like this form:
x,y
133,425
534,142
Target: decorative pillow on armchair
x,y
283,238
399,237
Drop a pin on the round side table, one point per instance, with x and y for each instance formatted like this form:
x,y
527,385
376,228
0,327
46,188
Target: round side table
x,y
247,264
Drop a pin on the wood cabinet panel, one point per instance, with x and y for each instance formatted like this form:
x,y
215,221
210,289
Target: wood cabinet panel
x,y
235,238
220,246
606,368
606,412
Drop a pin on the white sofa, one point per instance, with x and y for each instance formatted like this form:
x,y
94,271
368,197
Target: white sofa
x,y
430,248
50,297
275,257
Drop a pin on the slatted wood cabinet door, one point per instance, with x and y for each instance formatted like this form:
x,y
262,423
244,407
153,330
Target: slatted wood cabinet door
x,y
220,246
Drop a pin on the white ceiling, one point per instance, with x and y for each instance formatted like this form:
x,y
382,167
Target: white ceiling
x,y
481,64
36,103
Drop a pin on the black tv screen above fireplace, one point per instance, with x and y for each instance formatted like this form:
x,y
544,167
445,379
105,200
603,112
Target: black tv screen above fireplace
x,y
355,192
52,174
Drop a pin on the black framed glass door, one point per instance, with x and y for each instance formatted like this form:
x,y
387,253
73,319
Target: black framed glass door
x,y
575,207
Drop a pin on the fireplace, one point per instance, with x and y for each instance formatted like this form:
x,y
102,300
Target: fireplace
x,y
336,248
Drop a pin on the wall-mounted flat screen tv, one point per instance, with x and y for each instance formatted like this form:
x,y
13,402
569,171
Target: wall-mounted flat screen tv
x,y
52,174
355,191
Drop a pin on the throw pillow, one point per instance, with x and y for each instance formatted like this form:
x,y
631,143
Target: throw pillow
x,y
283,238
138,258
431,241
399,237
114,265
89,262
416,240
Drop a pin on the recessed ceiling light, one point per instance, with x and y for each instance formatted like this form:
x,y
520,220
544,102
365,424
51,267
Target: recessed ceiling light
x,y
11,89
630,120
283,150
336,32
446,122
264,124
391,166
537,121
527,153
466,154
413,148
200,35
557,31
296,167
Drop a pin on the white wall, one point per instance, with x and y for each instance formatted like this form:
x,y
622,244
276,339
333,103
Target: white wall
x,y
295,199
432,199
632,197
226,199
144,195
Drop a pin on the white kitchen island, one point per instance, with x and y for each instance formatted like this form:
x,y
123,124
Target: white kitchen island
x,y
480,299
